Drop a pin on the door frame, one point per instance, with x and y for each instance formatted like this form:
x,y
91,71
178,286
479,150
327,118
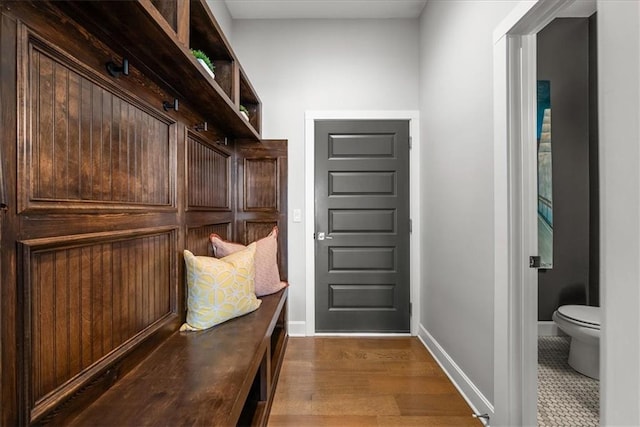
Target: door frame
x,y
414,205
515,218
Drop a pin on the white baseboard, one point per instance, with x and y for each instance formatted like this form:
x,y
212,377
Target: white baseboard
x,y
547,328
297,328
478,402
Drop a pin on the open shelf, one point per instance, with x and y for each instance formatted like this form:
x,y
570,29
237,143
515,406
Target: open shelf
x,y
206,35
140,30
169,11
249,99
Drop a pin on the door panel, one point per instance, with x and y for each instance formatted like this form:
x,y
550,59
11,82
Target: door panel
x,y
362,207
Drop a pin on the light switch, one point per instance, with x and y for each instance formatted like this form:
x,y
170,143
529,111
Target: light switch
x,y
297,215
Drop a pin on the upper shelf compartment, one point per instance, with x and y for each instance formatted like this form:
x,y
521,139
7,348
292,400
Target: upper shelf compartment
x,y
207,36
250,101
176,15
156,37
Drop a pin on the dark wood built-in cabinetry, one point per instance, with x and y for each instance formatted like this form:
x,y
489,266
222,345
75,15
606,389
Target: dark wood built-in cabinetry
x,y
102,187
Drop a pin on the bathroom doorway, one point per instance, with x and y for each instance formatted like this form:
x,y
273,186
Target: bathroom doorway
x,y
567,208
516,210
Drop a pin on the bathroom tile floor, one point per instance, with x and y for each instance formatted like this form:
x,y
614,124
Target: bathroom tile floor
x,y
565,397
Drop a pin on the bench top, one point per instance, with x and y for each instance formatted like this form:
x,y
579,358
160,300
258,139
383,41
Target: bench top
x,y
192,378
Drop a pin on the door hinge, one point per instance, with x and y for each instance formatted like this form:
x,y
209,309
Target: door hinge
x,y
410,225
410,142
534,262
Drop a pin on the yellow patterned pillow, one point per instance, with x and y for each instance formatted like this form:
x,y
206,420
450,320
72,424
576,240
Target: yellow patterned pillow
x,y
219,289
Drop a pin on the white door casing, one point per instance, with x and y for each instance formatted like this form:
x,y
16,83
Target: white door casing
x,y
515,194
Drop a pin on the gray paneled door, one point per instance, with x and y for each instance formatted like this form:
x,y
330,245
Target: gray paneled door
x,y
362,226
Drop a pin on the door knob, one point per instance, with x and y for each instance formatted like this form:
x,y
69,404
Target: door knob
x,y
322,236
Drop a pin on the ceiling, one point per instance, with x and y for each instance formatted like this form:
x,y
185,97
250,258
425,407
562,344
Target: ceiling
x,y
327,9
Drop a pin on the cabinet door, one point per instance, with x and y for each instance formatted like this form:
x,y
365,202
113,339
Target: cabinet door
x,y
262,194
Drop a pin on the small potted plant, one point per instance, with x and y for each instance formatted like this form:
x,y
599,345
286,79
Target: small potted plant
x,y
244,112
204,60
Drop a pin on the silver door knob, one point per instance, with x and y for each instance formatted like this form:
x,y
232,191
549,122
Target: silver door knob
x,y
322,236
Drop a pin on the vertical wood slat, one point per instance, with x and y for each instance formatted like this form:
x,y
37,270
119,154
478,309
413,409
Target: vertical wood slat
x,y
208,176
79,311
45,95
182,24
75,137
75,311
61,318
89,144
60,136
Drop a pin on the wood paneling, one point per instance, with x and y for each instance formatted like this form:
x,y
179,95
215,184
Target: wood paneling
x,y
169,11
255,230
198,237
86,296
262,194
261,184
9,374
86,144
103,195
208,169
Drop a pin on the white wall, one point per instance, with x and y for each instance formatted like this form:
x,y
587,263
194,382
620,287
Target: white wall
x,y
619,110
302,65
456,99
221,12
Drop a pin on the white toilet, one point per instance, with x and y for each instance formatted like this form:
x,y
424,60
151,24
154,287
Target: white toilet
x,y
582,324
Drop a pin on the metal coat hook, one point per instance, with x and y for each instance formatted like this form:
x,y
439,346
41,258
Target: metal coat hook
x,y
115,70
169,106
201,127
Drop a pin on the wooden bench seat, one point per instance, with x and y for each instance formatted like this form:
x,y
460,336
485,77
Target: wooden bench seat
x,y
223,376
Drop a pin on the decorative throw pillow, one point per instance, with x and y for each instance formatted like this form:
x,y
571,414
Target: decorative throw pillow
x,y
267,274
219,289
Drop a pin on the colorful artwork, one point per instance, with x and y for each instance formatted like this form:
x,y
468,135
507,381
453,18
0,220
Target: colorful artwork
x,y
545,193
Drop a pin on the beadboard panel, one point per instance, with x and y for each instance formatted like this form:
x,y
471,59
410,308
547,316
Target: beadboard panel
x,y
256,230
209,180
198,237
85,296
86,145
261,186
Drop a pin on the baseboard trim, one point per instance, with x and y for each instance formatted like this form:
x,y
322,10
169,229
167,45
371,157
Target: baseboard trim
x,y
478,402
297,328
549,328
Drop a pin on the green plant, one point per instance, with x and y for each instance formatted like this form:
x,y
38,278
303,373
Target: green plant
x,y
201,55
244,109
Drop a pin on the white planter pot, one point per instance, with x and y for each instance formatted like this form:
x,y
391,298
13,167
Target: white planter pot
x,y
245,115
206,68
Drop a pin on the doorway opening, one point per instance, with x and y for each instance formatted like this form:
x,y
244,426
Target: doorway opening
x,y
516,211
568,220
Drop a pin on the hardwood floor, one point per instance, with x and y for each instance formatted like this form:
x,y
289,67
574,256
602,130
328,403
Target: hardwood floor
x,y
341,381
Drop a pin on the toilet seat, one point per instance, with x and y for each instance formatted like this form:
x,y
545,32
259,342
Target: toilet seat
x,y
583,315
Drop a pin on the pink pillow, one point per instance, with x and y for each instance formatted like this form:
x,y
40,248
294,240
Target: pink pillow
x,y
266,259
